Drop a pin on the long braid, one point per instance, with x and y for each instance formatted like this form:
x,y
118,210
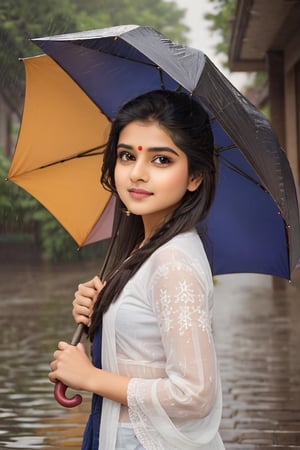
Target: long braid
x,y
188,125
123,270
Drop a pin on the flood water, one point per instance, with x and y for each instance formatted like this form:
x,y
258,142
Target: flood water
x,y
36,313
257,337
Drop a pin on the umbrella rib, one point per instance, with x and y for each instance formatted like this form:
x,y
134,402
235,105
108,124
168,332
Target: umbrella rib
x,y
234,168
218,150
162,84
151,64
240,172
90,152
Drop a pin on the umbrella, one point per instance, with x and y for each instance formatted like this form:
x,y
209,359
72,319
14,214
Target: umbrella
x,y
253,225
58,153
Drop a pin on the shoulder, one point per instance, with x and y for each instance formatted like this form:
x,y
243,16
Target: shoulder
x,y
187,246
184,253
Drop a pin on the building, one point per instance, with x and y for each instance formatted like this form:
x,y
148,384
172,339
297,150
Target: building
x,y
266,37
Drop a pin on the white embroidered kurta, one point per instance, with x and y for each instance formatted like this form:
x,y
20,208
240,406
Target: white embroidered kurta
x,y
158,332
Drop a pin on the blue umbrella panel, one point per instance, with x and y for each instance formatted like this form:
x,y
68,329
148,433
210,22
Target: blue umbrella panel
x,y
253,225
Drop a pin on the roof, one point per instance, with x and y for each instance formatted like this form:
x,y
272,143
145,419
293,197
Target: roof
x,y
260,26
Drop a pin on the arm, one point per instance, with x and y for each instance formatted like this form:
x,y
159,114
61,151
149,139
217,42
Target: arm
x,y
180,299
71,364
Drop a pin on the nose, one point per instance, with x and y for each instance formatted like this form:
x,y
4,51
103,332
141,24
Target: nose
x,y
139,171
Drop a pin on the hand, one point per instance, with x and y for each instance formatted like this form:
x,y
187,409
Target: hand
x,y
84,300
72,366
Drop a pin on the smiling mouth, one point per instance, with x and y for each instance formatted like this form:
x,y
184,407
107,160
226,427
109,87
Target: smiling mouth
x,y
139,193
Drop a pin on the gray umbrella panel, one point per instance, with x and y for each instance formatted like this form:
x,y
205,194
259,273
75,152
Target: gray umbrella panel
x,y
116,64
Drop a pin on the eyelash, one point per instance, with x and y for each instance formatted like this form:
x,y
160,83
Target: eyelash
x,y
126,156
165,158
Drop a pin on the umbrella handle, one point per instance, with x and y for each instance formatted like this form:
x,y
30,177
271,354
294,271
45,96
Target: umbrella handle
x,y
60,396
60,388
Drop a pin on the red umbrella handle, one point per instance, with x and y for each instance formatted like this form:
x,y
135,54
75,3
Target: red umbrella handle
x,y
60,396
60,388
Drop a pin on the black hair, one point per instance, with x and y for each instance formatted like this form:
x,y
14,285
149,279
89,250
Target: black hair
x,y
187,123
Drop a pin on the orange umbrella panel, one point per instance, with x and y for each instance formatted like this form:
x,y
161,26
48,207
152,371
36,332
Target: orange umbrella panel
x,y
58,155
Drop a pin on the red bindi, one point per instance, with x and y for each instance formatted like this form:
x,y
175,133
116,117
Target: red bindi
x,y
140,147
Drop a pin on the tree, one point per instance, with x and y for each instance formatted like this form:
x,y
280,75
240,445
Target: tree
x,y
221,22
20,20
24,19
164,16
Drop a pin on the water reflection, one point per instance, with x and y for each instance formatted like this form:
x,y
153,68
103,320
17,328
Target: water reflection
x,y
35,313
257,340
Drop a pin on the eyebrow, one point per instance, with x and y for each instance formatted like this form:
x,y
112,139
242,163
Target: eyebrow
x,y
150,149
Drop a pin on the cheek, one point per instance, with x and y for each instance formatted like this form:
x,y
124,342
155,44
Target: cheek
x,y
179,180
118,176
121,182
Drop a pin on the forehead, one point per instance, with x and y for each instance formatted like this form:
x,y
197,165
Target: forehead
x,y
145,133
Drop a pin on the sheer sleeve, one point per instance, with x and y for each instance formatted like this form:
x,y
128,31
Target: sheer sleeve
x,y
181,292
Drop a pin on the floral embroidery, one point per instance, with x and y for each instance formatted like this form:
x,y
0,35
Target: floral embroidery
x,y
166,320
205,323
184,319
185,293
179,295
181,300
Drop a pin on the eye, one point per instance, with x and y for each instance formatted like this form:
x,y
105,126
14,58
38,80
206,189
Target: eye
x,y
125,156
162,160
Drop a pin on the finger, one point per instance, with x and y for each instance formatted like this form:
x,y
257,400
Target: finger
x,y
62,345
82,304
98,284
85,320
85,292
84,309
52,377
89,283
82,313
95,284
53,365
81,347
56,355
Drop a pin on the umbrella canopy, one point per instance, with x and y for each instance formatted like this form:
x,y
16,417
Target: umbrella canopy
x,y
253,225
58,154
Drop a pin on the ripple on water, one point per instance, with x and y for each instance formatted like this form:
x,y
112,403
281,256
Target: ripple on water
x,y
35,314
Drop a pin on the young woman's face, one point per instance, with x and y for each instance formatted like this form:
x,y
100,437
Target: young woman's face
x,y
151,173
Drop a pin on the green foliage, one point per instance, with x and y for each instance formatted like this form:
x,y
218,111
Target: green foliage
x,y
162,15
57,245
22,215
21,20
16,206
221,22
24,19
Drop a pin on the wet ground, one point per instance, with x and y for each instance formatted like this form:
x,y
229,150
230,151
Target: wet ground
x,y
258,343
257,338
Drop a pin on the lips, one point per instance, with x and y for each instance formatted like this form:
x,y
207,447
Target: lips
x,y
139,193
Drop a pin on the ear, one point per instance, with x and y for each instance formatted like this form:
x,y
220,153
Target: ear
x,y
194,182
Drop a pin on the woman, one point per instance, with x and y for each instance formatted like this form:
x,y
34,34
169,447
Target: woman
x,y
159,379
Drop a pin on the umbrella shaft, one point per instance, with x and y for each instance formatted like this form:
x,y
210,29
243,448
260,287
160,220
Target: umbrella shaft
x,y
77,334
